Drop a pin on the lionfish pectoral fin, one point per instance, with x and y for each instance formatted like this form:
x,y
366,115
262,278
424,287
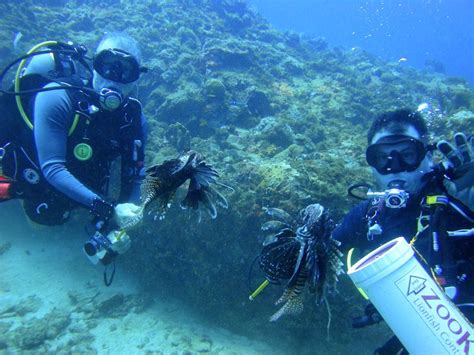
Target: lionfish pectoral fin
x,y
293,306
284,297
219,198
209,205
298,267
225,186
164,200
194,197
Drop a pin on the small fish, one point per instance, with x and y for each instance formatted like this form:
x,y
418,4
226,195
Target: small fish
x,y
422,107
402,59
274,226
278,214
16,39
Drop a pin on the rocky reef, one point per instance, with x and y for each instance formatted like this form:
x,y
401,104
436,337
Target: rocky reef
x,y
282,116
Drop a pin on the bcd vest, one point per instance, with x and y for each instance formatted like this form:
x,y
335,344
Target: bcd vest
x,y
95,140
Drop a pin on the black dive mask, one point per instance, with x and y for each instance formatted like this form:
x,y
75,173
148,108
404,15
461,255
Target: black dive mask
x,y
397,153
118,65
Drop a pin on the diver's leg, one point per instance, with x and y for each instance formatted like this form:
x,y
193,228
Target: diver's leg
x,y
47,209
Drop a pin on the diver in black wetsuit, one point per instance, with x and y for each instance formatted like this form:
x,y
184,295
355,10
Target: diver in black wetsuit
x,y
64,162
419,201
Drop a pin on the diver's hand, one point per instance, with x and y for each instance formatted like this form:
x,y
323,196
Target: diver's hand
x,y
127,214
119,241
462,160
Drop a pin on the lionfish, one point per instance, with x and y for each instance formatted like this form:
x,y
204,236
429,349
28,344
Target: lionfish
x,y
302,252
161,182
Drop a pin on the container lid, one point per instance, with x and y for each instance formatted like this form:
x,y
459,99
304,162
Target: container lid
x,y
382,261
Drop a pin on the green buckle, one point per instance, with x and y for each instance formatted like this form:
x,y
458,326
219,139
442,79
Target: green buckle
x,y
83,151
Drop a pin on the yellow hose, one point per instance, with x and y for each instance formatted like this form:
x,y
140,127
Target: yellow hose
x,y
17,81
349,265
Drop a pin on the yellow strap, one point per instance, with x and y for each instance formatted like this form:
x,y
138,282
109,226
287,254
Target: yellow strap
x,y
436,200
259,290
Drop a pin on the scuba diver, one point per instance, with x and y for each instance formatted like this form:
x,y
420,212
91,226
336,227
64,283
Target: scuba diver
x,y
430,205
63,131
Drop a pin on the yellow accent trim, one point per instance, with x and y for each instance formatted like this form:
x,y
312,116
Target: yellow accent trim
x,y
259,289
120,234
17,81
74,124
433,200
349,265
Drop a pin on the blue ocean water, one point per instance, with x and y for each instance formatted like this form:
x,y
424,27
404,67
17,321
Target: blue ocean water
x,y
432,34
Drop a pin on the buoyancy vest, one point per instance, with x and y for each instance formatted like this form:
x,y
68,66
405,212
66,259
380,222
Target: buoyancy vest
x,y
96,138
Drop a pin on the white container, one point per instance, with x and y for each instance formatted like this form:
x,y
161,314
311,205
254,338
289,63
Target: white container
x,y
415,308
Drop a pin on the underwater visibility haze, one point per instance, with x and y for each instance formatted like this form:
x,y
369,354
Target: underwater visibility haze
x,y
430,35
278,102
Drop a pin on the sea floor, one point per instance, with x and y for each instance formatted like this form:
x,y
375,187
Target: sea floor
x,y
54,300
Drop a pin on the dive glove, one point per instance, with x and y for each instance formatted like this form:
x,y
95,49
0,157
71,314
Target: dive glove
x,y
126,214
461,159
102,212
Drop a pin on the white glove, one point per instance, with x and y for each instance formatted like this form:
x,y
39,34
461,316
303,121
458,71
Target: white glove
x,y
120,241
127,215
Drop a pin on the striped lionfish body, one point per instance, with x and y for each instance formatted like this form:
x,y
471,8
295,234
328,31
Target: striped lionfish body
x,y
161,182
304,254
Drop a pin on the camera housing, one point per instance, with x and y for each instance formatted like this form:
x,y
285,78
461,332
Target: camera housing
x,y
98,248
394,198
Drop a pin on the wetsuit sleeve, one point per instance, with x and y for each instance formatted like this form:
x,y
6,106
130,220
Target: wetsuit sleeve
x,y
53,115
352,228
133,170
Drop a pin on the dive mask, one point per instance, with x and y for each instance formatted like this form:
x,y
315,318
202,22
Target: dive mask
x,y
118,65
397,153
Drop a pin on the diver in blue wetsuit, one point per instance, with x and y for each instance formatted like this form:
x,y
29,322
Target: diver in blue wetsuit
x,y
77,134
431,206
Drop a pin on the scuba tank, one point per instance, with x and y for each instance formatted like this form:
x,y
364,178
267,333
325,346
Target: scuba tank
x,y
65,64
45,63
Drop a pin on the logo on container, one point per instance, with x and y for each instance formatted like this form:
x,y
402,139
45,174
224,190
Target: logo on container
x,y
441,316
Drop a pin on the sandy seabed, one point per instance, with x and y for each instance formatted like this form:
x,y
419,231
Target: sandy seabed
x,y
52,299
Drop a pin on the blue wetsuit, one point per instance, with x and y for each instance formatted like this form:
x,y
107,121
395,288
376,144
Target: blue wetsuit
x,y
121,133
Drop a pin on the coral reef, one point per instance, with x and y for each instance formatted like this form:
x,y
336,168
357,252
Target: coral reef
x,y
281,116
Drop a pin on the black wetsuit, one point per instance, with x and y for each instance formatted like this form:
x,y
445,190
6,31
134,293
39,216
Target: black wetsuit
x,y
352,233
50,177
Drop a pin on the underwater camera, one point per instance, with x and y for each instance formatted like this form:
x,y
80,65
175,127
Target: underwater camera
x,y
97,248
394,198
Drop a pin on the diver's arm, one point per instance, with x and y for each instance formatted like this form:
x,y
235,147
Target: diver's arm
x,y
132,173
54,113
